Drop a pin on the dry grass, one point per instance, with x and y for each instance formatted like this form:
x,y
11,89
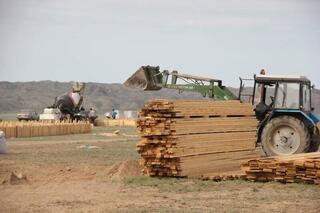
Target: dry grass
x,y
66,178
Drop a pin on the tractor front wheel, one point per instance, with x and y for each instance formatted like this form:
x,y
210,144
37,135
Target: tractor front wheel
x,y
285,135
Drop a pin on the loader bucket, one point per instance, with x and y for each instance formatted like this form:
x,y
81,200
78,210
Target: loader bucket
x,y
146,78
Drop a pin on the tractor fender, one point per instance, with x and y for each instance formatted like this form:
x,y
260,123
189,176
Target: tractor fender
x,y
313,119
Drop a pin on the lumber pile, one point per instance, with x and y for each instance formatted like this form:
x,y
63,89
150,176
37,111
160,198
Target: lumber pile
x,y
195,137
115,122
286,169
15,129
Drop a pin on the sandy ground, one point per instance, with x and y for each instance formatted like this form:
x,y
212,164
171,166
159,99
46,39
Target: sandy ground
x,y
102,175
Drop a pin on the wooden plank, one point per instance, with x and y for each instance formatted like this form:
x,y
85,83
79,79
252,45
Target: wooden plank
x,y
295,168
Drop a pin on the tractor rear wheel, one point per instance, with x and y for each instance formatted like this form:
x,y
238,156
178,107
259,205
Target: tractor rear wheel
x,y
285,135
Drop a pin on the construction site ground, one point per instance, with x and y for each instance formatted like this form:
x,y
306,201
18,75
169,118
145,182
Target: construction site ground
x,y
99,172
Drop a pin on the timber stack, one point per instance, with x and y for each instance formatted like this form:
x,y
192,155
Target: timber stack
x,y
286,169
21,129
195,137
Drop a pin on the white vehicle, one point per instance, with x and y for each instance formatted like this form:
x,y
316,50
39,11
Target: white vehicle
x,y
50,114
27,115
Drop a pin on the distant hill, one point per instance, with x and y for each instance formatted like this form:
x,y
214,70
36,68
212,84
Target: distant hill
x,y
38,95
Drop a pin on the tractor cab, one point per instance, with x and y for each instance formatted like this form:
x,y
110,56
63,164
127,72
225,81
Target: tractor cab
x,y
282,94
283,107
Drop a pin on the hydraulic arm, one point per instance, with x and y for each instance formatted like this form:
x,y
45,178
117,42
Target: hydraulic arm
x,y
150,78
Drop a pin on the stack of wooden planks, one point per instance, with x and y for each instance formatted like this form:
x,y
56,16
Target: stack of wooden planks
x,y
115,122
287,169
195,137
15,129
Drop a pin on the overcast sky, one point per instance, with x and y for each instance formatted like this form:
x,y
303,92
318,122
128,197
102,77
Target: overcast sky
x,y
107,40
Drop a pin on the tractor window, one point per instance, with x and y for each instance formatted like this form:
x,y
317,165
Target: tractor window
x,y
306,97
287,96
270,94
259,95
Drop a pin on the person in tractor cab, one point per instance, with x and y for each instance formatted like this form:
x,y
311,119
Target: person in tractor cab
x,y
261,106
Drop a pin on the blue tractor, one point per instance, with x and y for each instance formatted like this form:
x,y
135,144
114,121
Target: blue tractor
x,y
287,122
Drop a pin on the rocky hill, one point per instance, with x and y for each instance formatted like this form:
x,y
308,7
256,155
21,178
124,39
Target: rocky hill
x,y
38,95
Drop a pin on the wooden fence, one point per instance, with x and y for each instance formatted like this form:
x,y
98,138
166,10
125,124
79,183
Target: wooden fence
x,y
13,129
115,122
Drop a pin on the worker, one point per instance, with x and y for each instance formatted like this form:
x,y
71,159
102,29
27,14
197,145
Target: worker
x,y
92,115
113,114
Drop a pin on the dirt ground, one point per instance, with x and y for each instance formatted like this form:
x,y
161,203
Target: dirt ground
x,y
99,172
